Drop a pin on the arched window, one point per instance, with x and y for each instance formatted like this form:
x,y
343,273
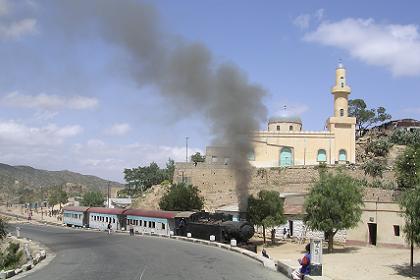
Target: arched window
x,y
341,112
342,155
251,155
322,156
291,128
286,158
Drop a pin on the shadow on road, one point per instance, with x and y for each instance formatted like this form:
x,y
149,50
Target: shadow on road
x,y
404,270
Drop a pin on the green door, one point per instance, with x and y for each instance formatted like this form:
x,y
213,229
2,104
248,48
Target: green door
x,y
286,157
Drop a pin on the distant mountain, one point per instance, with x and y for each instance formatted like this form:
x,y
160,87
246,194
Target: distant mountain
x,y
27,176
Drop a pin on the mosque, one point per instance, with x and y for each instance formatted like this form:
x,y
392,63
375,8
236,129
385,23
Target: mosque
x,y
285,143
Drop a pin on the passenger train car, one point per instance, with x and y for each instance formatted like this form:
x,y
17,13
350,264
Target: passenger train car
x,y
199,224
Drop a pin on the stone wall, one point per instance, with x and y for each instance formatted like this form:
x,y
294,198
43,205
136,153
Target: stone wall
x,y
217,183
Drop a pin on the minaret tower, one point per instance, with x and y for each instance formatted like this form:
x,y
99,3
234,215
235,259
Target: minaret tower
x,y
340,124
341,92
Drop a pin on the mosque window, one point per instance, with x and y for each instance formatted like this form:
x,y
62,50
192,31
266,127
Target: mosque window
x,y
251,156
322,156
342,85
341,112
291,128
278,128
342,155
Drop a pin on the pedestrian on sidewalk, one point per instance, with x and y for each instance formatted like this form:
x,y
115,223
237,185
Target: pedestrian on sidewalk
x,y
109,228
304,262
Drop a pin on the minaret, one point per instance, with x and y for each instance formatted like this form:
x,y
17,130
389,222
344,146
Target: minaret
x,y
341,92
343,146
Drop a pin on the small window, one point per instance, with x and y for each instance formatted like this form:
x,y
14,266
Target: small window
x,y
341,112
153,225
291,128
342,77
106,219
113,220
396,230
141,223
278,128
251,156
342,155
163,226
342,85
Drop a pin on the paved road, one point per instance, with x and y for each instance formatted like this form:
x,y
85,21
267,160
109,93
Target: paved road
x,y
85,255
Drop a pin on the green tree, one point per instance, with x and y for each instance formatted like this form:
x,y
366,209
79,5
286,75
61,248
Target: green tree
x,y
170,170
408,168
410,205
366,117
53,199
182,197
374,168
334,203
197,157
3,228
266,210
142,178
93,199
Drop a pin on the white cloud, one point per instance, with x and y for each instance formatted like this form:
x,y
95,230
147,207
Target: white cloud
x,y
393,46
18,29
303,21
4,7
118,129
13,133
98,157
48,102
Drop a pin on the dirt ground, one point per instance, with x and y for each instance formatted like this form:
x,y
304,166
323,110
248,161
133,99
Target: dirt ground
x,y
350,262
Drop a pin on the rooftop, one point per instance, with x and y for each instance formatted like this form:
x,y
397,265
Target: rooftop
x,y
282,119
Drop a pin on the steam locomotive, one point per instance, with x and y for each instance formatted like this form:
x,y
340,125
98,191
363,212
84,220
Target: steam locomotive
x,y
199,224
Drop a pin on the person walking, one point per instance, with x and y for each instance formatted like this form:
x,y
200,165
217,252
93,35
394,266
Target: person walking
x,y
109,228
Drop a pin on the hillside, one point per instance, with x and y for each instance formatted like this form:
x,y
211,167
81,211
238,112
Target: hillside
x,y
29,177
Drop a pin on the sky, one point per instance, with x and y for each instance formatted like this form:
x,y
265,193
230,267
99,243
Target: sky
x,y
67,102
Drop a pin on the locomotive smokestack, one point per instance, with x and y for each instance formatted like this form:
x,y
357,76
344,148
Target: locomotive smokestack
x,y
185,74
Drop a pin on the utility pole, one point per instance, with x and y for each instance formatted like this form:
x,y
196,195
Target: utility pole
x,y
186,148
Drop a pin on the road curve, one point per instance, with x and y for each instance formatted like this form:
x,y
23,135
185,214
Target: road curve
x,y
95,255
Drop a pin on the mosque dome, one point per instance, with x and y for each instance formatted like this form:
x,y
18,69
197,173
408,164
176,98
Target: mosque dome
x,y
282,124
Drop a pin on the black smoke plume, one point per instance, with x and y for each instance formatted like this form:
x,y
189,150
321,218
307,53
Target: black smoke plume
x,y
185,73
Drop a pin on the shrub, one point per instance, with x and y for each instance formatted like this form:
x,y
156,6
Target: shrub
x,y
374,168
404,137
182,197
379,148
11,257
